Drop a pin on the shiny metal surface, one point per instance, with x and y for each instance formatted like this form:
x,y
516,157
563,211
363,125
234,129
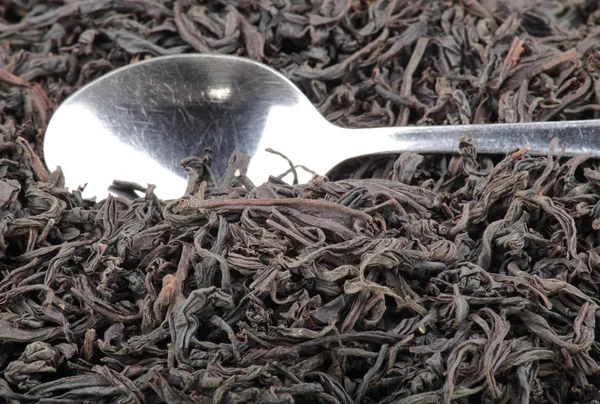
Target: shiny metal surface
x,y
136,124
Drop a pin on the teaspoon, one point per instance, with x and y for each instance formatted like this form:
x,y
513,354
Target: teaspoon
x,y
138,122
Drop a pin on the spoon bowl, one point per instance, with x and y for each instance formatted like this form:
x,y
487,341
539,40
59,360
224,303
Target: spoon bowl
x,y
138,122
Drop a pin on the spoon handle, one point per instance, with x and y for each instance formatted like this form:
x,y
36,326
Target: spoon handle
x,y
335,145
579,137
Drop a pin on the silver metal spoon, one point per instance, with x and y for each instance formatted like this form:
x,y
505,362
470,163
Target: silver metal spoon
x,y
137,123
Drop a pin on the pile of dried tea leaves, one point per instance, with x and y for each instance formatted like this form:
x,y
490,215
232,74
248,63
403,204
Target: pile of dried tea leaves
x,y
411,279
